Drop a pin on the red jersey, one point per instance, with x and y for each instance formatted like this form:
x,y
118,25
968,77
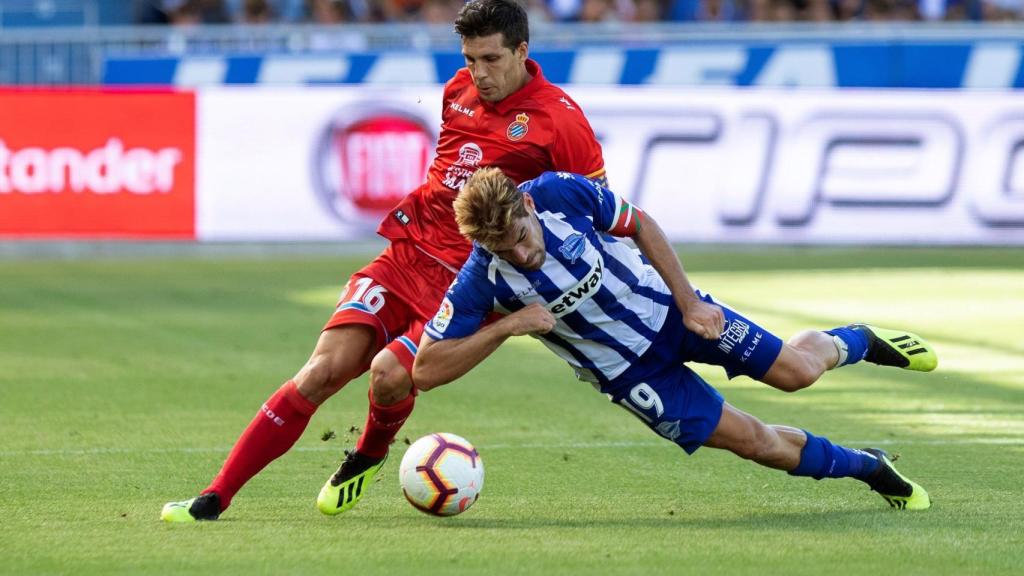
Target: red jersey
x,y
535,129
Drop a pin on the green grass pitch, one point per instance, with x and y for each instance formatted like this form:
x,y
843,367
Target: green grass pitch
x,y
123,383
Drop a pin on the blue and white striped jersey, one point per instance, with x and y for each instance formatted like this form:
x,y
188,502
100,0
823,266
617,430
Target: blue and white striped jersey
x,y
608,301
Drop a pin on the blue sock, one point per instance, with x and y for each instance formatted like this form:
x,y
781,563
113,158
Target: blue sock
x,y
823,459
851,341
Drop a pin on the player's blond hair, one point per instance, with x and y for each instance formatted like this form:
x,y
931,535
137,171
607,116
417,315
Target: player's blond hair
x,y
487,206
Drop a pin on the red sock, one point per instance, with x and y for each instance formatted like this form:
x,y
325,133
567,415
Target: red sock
x,y
273,431
382,424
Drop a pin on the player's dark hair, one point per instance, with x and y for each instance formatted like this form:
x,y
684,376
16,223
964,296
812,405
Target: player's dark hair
x,y
485,17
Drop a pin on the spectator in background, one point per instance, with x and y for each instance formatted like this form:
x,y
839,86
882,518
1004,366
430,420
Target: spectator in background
x,y
591,10
792,10
843,10
256,12
989,9
328,12
149,12
538,10
286,11
181,12
341,11
648,10
336,13
402,10
186,13
596,11
564,10
708,10
440,11
905,10
192,12
890,10
954,10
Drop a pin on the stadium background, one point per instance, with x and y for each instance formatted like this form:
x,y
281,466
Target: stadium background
x,y
732,126
182,194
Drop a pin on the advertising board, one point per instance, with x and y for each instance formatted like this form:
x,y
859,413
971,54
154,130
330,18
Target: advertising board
x,y
714,165
97,164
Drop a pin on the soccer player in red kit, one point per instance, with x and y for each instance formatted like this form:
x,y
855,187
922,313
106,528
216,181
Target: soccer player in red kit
x,y
497,111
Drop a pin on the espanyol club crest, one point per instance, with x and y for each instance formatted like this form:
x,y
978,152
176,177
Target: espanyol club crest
x,y
519,128
573,247
369,156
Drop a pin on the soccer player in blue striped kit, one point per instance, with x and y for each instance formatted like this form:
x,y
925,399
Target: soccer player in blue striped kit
x,y
546,256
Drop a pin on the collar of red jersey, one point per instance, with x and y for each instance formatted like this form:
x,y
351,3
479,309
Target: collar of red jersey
x,y
515,98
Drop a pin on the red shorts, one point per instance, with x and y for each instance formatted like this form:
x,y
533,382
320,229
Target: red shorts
x,y
396,294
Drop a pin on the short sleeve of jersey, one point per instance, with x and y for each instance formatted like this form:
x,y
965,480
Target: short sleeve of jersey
x,y
466,304
576,195
575,147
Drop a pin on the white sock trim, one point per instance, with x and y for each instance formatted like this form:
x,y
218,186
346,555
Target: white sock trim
x,y
842,349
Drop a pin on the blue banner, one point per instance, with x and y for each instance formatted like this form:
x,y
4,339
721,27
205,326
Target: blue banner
x,y
988,64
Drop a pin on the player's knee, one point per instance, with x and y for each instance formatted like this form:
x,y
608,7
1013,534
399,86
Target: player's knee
x,y
389,381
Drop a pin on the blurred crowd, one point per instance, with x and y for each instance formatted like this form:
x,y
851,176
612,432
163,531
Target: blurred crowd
x,y
186,12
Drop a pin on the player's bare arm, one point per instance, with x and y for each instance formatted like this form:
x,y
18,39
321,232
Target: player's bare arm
x,y
702,318
439,362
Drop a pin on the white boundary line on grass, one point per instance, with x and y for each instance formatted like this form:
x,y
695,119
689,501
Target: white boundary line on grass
x,y
998,441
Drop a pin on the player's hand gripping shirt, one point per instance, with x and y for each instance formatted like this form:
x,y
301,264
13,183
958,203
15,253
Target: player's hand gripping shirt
x,y
608,302
536,129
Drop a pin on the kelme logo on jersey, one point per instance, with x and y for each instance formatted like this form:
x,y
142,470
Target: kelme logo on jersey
x,y
370,155
576,295
443,316
519,128
573,247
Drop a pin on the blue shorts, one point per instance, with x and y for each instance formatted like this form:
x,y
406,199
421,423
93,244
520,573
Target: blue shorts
x,y
672,399
677,404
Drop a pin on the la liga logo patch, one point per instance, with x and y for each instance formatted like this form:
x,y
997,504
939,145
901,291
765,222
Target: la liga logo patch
x,y
443,316
519,128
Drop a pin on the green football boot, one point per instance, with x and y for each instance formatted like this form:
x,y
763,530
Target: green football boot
x,y
898,490
348,485
898,348
202,507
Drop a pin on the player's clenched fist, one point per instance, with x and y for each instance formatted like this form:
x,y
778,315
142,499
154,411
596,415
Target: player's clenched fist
x,y
533,319
704,319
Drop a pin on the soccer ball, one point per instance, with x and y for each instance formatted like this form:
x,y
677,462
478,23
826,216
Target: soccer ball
x,y
441,474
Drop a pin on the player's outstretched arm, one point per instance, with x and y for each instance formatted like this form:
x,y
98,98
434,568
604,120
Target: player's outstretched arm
x,y
701,318
439,362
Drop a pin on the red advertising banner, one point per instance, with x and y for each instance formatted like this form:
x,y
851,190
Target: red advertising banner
x,y
97,164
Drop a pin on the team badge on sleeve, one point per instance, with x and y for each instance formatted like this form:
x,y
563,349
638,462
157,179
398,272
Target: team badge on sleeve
x,y
519,128
443,316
